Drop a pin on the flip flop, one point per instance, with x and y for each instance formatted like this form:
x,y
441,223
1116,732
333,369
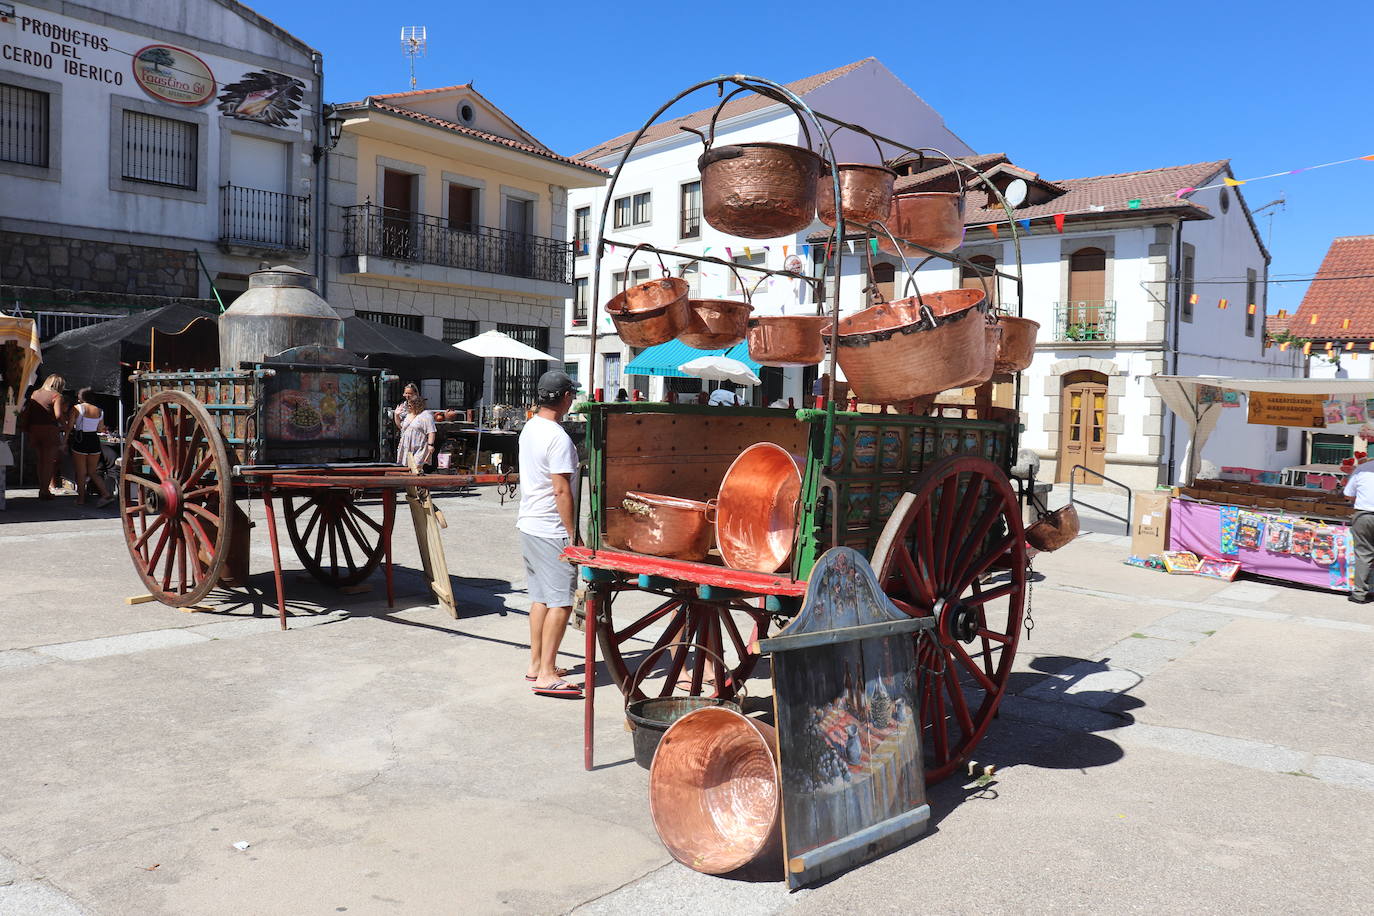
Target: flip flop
x,y
557,672
559,688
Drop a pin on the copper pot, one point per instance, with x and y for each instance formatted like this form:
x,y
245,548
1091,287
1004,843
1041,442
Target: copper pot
x,y
1017,348
865,193
1054,529
756,510
714,324
666,526
981,370
650,313
714,792
787,340
931,219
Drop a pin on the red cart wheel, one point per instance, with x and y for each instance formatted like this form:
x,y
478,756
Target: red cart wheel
x,y
175,498
724,630
338,543
941,545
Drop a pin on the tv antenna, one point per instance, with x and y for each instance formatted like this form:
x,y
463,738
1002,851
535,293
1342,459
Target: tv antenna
x,y
413,43
1282,204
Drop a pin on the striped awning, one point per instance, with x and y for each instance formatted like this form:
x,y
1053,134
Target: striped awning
x,y
665,358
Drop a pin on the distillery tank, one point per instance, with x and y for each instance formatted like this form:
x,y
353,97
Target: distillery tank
x,y
280,310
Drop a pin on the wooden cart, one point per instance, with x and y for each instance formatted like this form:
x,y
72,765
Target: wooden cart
x,y
309,434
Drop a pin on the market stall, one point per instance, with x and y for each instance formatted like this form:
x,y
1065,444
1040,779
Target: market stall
x,y
1295,530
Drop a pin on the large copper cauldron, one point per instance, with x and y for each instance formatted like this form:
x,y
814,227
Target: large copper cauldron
x,y
756,511
714,324
932,219
652,312
665,526
713,791
787,340
1017,348
865,193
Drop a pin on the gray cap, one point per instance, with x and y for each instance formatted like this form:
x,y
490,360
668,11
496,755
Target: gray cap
x,y
555,383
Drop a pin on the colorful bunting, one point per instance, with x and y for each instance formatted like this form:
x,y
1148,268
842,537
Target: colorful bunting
x,y
748,253
1314,319
1222,304
1025,224
1178,195
1059,221
1231,182
1307,348
1192,300
873,245
993,227
1133,203
1345,324
1350,345
1250,309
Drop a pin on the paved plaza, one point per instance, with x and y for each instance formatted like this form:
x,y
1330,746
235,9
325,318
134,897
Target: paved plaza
x,y
1169,744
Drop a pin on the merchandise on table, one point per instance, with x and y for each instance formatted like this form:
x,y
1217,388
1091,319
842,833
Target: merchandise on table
x,y
1302,540
1278,536
1323,546
1180,562
1218,568
1251,530
1153,561
1230,525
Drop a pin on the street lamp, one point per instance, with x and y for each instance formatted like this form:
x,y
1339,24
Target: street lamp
x,y
333,124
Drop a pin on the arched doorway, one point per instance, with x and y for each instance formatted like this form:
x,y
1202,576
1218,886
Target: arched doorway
x,y
1083,423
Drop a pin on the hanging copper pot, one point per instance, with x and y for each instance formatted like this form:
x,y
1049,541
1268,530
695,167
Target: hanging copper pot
x,y
714,792
787,340
1017,348
715,324
756,510
932,219
757,190
652,312
865,191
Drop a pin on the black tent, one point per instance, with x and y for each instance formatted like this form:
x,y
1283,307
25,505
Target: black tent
x,y
408,354
101,355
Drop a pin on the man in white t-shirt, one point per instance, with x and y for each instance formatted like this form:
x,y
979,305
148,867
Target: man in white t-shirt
x,y
548,465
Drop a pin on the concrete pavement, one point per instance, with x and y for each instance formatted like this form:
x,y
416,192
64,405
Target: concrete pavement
x,y
1170,744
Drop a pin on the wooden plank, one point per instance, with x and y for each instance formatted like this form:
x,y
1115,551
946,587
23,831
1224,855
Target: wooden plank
x,y
684,571
431,546
139,599
847,634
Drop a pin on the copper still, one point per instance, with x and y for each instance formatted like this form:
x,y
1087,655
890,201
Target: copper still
x,y
652,312
714,792
663,526
1017,347
787,340
756,510
280,311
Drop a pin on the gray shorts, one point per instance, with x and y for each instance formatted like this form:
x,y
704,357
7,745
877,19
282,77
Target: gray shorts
x,y
548,580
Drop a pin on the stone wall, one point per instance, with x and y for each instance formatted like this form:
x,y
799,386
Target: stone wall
x,y
49,262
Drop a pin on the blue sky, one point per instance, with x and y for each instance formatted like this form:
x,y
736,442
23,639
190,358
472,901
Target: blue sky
x,y
1067,89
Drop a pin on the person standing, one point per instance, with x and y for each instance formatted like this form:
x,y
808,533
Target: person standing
x,y
44,421
417,433
1360,488
548,463
87,424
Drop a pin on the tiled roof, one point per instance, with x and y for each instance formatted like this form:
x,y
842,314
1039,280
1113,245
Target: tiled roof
x,y
541,151
934,175
743,103
414,92
1333,300
1275,325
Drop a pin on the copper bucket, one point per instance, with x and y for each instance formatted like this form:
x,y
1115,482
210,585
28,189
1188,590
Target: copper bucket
x,y
787,340
650,313
865,191
982,371
932,219
714,324
1017,347
648,718
714,792
756,510
1054,529
897,351
666,526
757,190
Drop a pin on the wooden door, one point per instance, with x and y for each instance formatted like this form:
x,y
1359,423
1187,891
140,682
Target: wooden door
x,y
398,203
1083,428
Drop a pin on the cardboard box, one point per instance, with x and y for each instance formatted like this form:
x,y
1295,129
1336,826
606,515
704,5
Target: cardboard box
x,y
1149,522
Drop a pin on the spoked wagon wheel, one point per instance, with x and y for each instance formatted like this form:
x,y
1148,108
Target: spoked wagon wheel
x,y
175,498
726,630
337,542
954,549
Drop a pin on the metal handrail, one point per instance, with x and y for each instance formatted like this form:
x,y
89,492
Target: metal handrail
x,y
1073,472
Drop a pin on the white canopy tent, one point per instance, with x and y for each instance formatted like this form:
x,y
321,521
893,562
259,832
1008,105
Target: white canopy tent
x,y
1183,395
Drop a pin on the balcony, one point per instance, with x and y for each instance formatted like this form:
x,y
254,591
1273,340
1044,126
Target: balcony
x,y
1085,320
263,220
373,231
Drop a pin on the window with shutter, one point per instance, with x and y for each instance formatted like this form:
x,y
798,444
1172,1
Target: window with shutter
x,y
23,126
159,150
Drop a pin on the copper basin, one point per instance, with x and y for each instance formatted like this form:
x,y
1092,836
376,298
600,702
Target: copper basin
x,y
756,511
1054,530
713,791
714,324
662,526
759,190
1017,348
650,313
787,340
931,219
865,193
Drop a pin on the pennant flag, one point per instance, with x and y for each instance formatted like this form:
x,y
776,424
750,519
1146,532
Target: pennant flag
x,y
851,246
873,245
784,251
1307,349
1283,346
1059,221
1192,300
1231,182
1328,346
1283,313
992,226
1097,208
748,253
612,247
1345,324
1350,345
1133,203
1222,305
767,247
1370,158
1181,191
1025,224
1371,345
729,253
708,250
1296,171
1250,309
1314,319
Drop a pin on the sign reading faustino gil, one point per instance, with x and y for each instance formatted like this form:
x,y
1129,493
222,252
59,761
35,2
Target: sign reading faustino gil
x,y
1301,410
173,75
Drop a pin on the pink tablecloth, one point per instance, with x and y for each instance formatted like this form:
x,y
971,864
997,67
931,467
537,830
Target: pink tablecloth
x,y
1197,527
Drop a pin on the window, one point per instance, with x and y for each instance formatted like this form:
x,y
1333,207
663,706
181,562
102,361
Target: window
x,y
1251,307
690,227
456,329
159,150
641,275
981,275
1186,281
582,230
581,288
611,363
460,394
691,272
748,277
632,210
23,126
513,380
462,208
414,323
884,285
1281,438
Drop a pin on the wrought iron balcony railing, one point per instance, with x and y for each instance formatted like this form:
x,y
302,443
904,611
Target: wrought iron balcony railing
x,y
264,219
1085,319
404,236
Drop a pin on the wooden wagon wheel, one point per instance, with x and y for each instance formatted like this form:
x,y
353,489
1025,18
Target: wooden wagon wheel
x,y
338,543
176,498
726,630
937,556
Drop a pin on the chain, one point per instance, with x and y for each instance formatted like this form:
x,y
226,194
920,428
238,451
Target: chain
x,y
1030,589
922,638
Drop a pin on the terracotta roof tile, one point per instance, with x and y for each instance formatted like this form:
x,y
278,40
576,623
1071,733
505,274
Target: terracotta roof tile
x,y
1275,325
1332,299
541,151
414,92
743,103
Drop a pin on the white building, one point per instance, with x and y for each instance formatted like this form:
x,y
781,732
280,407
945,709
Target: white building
x,y
149,148
1113,293
658,201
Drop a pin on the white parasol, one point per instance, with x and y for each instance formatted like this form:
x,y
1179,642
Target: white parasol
x,y
497,345
720,369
